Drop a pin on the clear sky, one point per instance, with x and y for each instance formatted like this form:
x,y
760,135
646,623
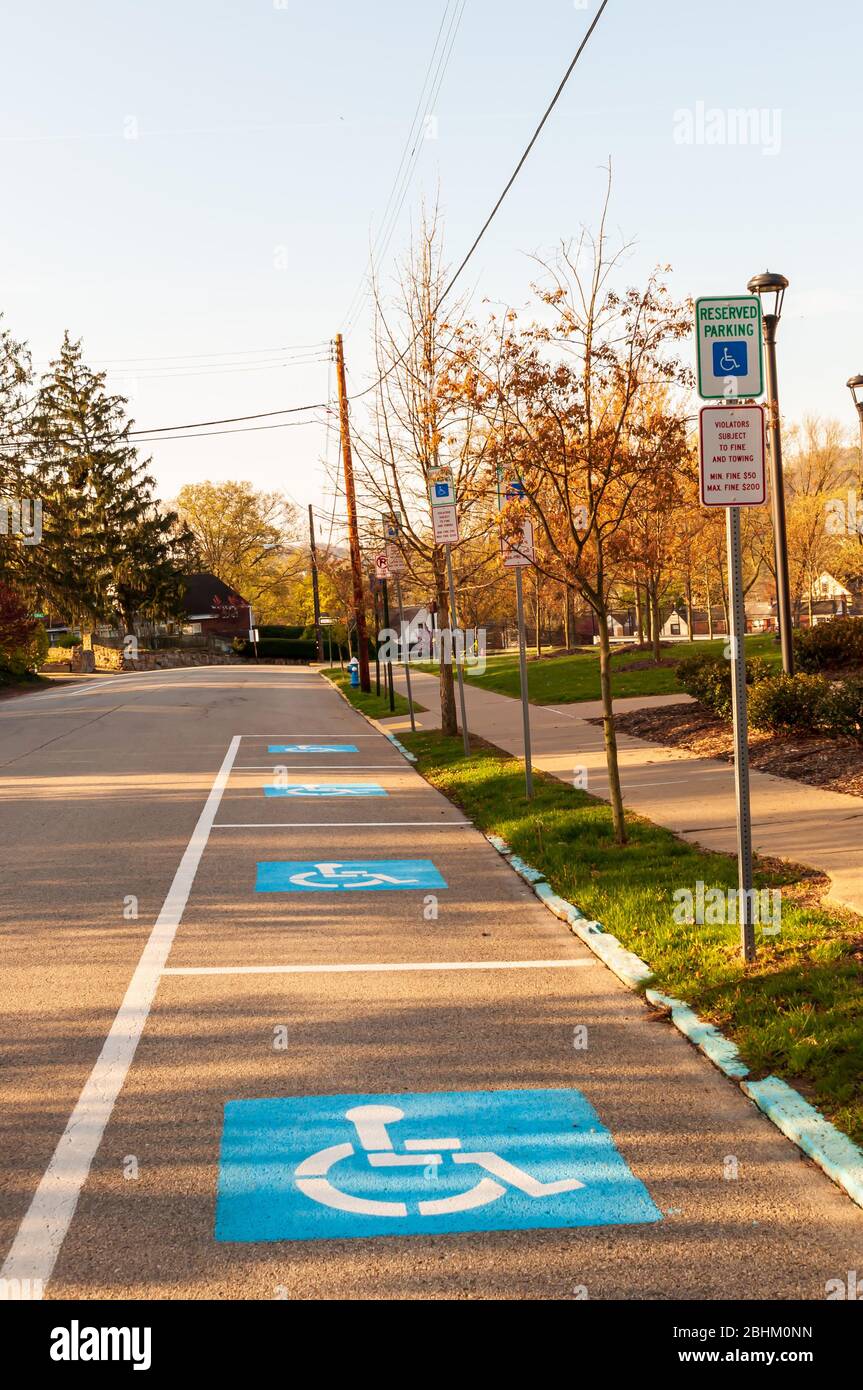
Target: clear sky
x,y
187,178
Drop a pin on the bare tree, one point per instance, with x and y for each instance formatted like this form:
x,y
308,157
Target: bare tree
x,y
586,419
425,415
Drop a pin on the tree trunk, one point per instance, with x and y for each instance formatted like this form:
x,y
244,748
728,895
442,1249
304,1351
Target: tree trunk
x,y
639,612
646,618
448,719
689,620
538,621
709,607
567,619
654,622
615,793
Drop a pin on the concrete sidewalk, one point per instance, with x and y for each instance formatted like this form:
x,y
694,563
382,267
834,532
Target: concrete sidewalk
x,y
694,797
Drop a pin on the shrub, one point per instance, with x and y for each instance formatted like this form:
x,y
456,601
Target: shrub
x,y
838,644
790,702
843,710
26,659
708,680
279,649
291,634
67,640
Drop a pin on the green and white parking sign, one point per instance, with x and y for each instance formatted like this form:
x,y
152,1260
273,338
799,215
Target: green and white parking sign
x,y
729,347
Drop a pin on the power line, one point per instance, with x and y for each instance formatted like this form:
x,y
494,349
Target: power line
x,y
232,369
237,352
232,420
212,434
170,430
518,168
404,174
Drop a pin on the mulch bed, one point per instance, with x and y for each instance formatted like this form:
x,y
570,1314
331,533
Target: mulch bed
x,y
836,764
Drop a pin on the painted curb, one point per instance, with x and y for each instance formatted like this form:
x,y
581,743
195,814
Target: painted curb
x,y
807,1128
634,972
835,1154
722,1052
794,1117
411,757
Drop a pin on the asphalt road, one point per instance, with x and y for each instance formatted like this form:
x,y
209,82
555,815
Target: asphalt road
x,y
185,1033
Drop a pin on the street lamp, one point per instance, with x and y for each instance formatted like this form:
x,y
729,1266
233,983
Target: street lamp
x,y
771,290
855,386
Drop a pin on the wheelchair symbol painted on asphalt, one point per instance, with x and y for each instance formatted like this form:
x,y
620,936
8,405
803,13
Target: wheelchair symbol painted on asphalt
x,y
326,790
330,1167
313,748
352,876
371,1123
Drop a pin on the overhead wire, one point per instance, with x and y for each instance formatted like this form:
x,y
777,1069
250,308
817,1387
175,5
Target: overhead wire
x,y
429,94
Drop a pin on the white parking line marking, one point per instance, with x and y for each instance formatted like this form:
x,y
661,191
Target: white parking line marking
x,y
43,1229
378,968
323,767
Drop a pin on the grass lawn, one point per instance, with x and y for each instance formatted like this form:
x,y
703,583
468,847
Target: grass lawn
x,y
794,1013
561,680
377,706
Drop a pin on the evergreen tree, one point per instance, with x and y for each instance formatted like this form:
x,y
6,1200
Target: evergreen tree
x,y
16,483
109,553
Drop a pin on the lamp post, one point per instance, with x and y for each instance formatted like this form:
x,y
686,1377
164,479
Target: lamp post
x,y
855,386
771,289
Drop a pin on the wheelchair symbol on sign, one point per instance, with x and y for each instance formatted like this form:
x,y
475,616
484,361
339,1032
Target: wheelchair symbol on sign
x,y
729,362
371,1123
335,875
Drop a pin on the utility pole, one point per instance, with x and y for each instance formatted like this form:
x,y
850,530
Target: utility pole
x,y
353,530
316,592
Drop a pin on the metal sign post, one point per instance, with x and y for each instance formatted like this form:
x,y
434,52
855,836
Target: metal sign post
x,y
395,563
741,734
406,656
459,673
517,557
446,532
525,702
389,670
733,475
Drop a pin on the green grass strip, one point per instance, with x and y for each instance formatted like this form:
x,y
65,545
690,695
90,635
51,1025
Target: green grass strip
x,y
795,1013
375,706
563,680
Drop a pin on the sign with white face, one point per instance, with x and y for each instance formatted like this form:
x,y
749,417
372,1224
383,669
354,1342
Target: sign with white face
x,y
445,524
395,560
521,552
733,470
444,514
729,347
382,570
441,487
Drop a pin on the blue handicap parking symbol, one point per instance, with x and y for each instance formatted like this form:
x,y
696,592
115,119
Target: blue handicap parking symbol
x,y
314,748
441,489
731,359
328,789
331,1167
350,876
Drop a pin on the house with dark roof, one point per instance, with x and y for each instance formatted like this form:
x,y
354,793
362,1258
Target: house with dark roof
x,y
213,609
